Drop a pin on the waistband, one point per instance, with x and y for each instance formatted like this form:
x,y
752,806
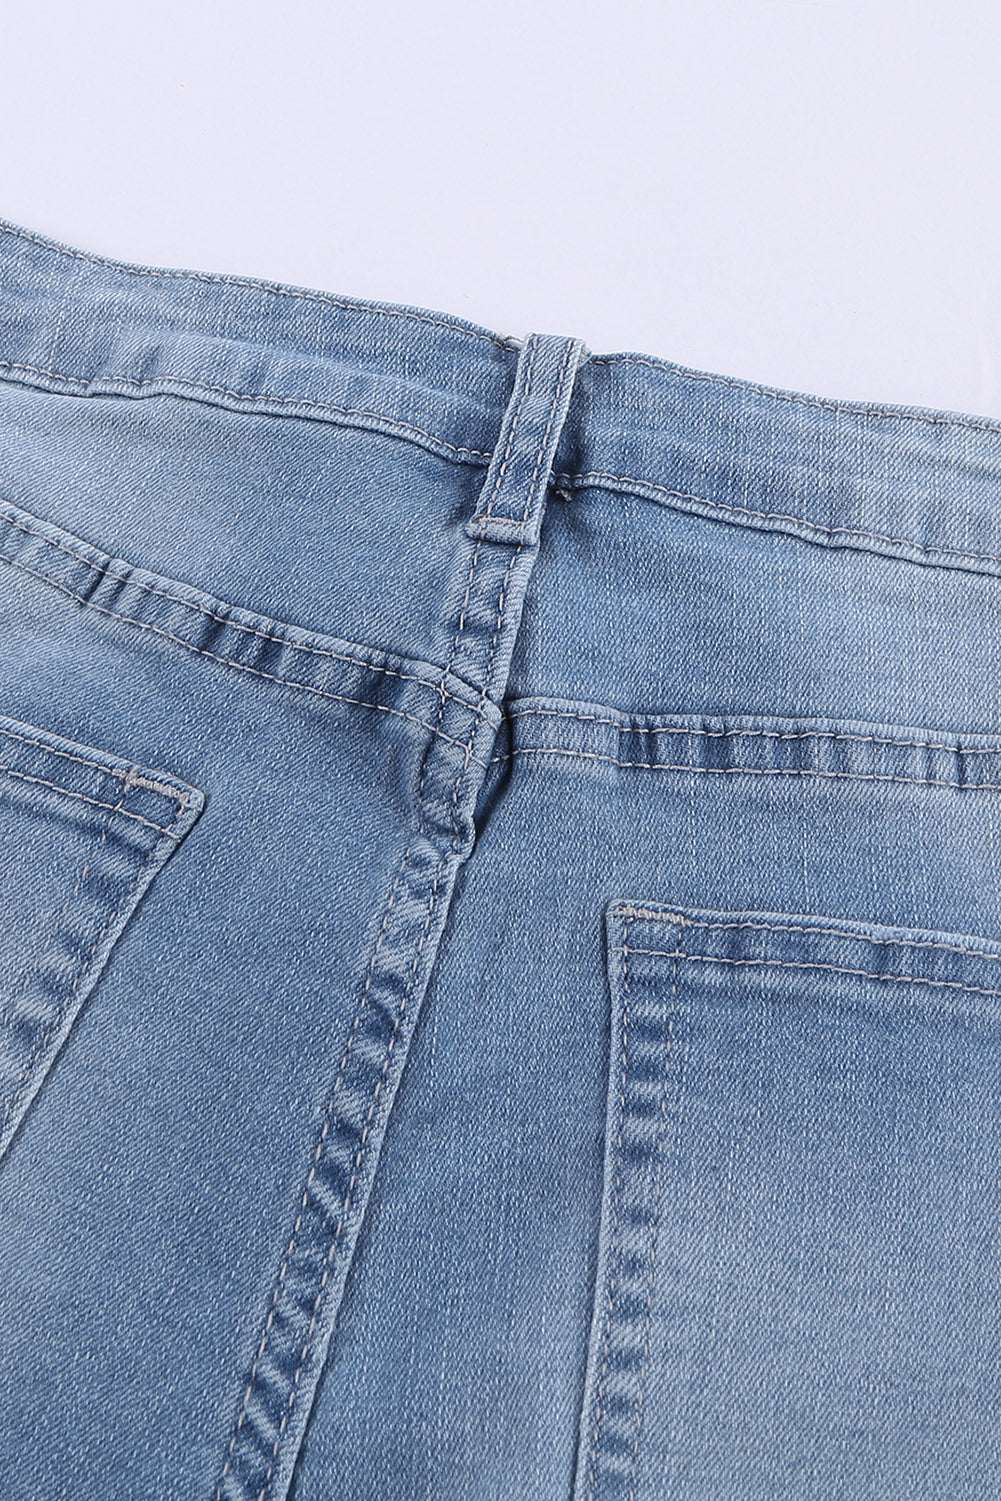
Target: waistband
x,y
907,481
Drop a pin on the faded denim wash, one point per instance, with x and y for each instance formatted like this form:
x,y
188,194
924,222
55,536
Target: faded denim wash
x,y
501,894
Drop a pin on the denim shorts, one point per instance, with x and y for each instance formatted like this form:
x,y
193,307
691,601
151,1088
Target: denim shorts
x,y
501,913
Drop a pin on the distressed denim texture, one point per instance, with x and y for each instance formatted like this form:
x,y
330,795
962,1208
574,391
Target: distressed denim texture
x,y
501,947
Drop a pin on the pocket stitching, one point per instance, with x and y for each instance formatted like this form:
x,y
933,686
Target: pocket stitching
x,y
59,984
199,607
631,912
836,968
614,1254
114,807
692,922
111,771
88,959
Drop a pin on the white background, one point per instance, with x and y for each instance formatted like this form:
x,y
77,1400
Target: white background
x,y
802,193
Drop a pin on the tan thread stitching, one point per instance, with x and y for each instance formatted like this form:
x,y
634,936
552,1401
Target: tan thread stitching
x,y
557,397
360,1151
655,1210
579,480
317,1156
255,284
20,989
441,702
760,771
913,943
355,1169
87,961
613,1240
642,729
230,662
354,305
111,771
202,609
177,385
816,964
561,381
486,682
82,797
519,408
861,408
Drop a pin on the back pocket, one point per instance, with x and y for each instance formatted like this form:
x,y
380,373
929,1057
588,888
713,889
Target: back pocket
x,y
799,1279
82,834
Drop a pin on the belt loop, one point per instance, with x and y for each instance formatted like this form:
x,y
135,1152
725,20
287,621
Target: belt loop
x,y
511,502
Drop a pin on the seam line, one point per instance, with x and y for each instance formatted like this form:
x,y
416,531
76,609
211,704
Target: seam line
x,y
239,666
111,771
614,1248
180,384
508,446
202,609
759,771
561,381
259,284
356,1167
840,969
95,802
829,403
55,1021
328,1117
655,1214
255,284
643,729
577,481
913,943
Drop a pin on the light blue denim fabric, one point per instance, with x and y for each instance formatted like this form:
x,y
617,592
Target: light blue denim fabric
x,y
501,895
